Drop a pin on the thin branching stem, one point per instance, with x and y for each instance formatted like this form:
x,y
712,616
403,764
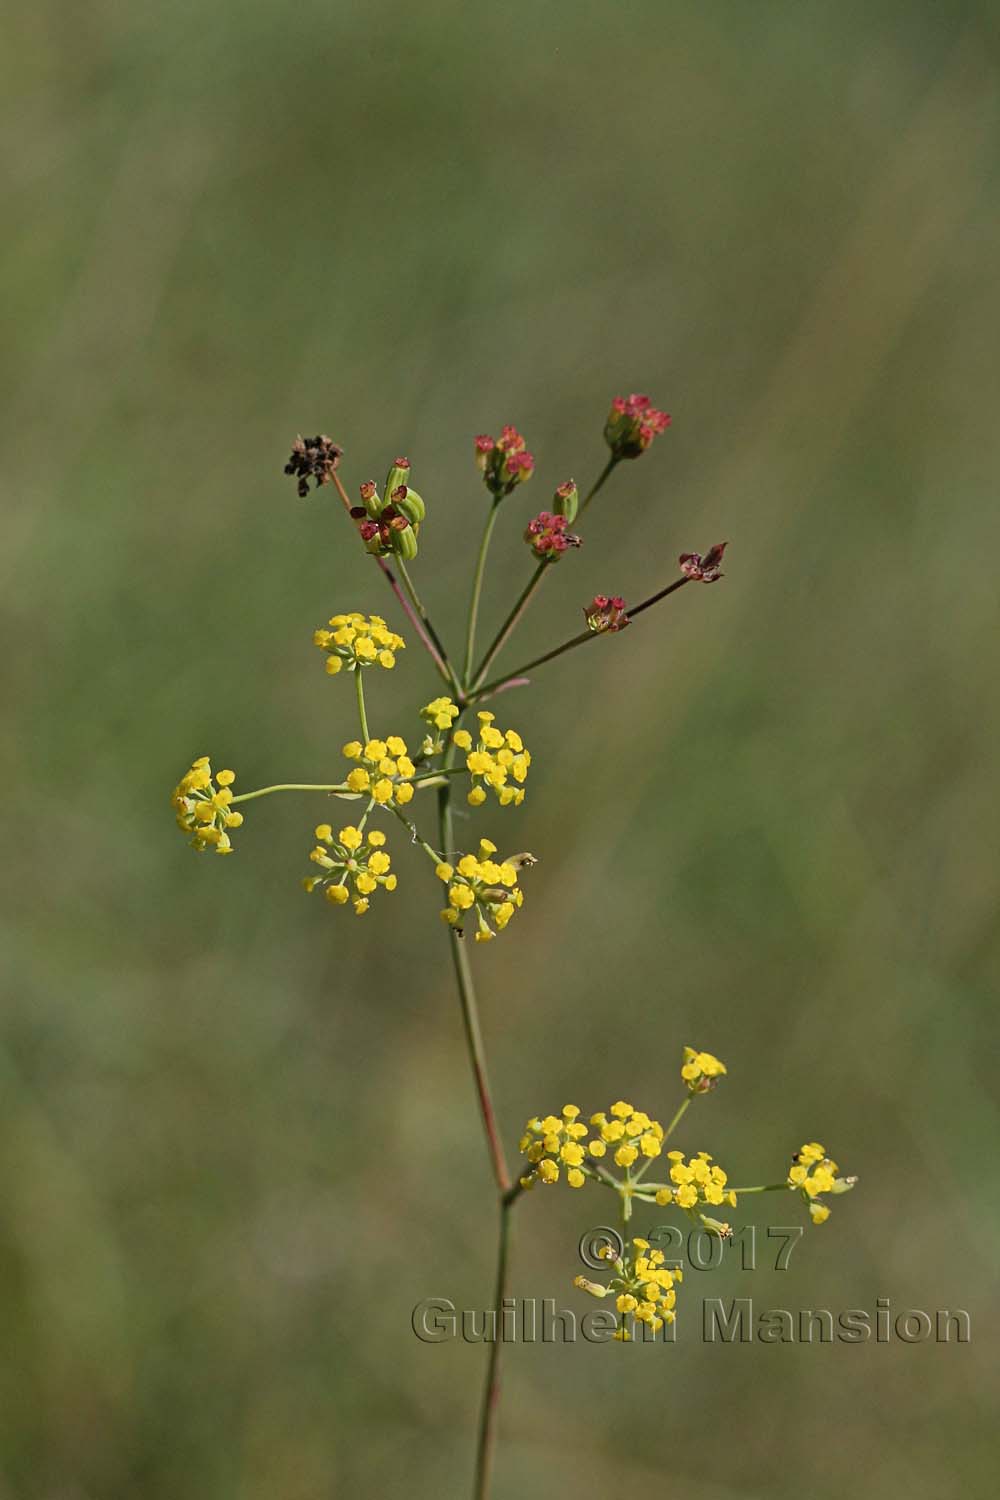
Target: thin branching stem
x,y
477,589
438,657
577,640
524,598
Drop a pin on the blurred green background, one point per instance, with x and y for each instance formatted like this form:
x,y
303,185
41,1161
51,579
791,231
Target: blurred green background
x,y
238,1136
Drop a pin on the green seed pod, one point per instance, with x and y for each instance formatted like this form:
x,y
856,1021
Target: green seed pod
x,y
397,475
371,499
404,539
409,504
566,500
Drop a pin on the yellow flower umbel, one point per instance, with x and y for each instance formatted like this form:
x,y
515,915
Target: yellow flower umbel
x,y
354,641
701,1071
382,770
549,1144
695,1181
482,886
201,803
496,760
813,1173
642,1287
354,866
553,1144
440,712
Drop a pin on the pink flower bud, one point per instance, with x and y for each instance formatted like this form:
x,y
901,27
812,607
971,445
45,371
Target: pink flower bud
x,y
606,614
632,425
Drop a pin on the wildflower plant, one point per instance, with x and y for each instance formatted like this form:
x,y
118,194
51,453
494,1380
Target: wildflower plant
x,y
459,749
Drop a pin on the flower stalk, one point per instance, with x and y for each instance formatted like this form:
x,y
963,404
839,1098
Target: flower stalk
x,y
611,1149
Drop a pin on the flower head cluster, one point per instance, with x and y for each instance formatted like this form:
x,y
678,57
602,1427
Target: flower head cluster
x,y
440,713
202,804
697,1180
605,612
503,462
707,569
814,1173
382,769
550,1143
553,1144
497,758
313,458
548,538
354,641
390,522
354,866
483,887
701,1071
633,422
643,1287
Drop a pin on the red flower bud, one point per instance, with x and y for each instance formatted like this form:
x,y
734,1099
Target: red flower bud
x,y
606,614
632,424
503,462
548,538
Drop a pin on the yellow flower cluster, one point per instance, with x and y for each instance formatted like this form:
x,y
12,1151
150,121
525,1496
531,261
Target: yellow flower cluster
x,y
493,761
354,866
697,1180
551,1143
484,886
643,1287
440,712
555,1142
813,1173
701,1071
383,770
354,641
201,803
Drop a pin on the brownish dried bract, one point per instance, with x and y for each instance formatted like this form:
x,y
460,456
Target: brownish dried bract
x,y
313,458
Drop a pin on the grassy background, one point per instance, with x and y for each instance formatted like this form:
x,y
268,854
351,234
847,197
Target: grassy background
x,y
238,1139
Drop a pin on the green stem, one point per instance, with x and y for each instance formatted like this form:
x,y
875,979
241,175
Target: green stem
x,y
678,1117
359,685
770,1187
520,605
449,671
291,786
490,1411
477,589
507,1192
432,854
604,474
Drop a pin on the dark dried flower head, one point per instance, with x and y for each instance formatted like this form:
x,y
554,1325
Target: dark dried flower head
x,y
606,612
313,458
707,569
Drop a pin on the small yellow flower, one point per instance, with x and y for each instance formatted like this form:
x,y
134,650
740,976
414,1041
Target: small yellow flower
x,y
642,1287
563,1139
354,641
352,865
697,1180
485,886
382,768
812,1173
497,761
701,1071
440,712
201,803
